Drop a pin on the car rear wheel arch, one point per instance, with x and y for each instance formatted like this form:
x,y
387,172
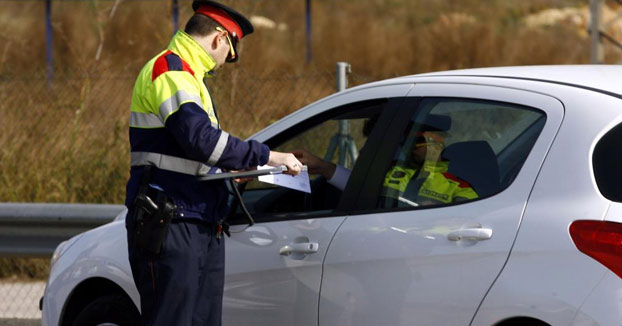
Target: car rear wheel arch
x,y
521,321
89,291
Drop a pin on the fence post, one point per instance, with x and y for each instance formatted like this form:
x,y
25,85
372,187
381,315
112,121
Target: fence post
x,y
597,53
343,69
308,30
175,14
48,41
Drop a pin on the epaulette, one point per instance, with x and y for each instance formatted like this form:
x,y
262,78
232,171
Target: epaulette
x,y
169,61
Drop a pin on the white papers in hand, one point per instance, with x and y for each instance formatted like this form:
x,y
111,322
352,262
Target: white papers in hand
x,y
299,182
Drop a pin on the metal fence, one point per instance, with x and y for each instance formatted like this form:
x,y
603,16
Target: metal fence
x,y
72,135
66,141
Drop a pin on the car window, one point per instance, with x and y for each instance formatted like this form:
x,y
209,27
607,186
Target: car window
x,y
459,150
338,137
607,160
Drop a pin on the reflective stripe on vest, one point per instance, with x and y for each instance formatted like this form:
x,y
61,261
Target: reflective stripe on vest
x,y
150,120
173,103
178,164
145,120
169,163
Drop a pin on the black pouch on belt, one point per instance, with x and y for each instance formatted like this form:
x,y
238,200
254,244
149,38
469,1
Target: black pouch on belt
x,y
153,214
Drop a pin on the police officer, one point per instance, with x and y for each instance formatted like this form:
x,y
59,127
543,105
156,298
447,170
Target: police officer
x,y
174,229
424,178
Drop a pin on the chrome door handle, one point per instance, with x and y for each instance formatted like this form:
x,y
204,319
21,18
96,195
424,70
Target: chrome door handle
x,y
474,234
300,248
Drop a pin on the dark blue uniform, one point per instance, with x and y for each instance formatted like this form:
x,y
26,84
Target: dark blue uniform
x,y
174,129
183,284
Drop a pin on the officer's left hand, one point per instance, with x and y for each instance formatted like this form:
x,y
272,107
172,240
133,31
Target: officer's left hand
x,y
247,179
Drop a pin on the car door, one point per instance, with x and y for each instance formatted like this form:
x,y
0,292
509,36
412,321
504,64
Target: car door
x,y
405,259
274,267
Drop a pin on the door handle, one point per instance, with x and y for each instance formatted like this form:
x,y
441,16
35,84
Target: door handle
x,y
474,234
300,248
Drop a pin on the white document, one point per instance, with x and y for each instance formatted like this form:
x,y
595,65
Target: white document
x,y
300,182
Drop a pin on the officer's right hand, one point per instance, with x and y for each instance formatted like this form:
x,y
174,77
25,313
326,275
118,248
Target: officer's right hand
x,y
315,164
288,159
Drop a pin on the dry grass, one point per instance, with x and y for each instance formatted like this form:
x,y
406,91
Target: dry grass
x,y
16,269
67,142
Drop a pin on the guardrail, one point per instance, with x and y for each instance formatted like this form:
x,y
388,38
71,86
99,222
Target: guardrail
x,y
35,230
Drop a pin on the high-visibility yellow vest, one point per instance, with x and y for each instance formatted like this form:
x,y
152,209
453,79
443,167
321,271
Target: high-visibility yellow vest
x,y
163,85
438,186
174,127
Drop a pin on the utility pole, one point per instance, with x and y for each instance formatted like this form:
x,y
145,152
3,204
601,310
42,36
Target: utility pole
x,y
598,31
597,49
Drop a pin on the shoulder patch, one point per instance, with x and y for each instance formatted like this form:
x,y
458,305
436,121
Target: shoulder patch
x,y
169,61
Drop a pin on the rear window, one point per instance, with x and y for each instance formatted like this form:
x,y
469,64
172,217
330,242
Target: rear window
x,y
607,162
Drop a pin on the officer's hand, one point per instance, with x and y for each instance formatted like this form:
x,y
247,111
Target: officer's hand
x,y
288,159
244,180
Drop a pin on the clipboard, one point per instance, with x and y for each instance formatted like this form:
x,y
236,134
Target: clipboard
x,y
247,174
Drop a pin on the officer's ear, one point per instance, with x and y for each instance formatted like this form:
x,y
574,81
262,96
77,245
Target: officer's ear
x,y
218,36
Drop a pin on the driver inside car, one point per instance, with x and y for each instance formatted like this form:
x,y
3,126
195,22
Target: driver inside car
x,y
421,177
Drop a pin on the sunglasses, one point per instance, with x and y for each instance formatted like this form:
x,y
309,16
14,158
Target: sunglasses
x,y
233,56
417,145
429,139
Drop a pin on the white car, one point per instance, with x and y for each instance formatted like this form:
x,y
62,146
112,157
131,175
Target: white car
x,y
541,244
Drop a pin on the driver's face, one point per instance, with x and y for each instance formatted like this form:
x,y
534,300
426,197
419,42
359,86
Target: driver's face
x,y
428,147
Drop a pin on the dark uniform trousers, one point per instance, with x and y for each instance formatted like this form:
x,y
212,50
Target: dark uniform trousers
x,y
183,284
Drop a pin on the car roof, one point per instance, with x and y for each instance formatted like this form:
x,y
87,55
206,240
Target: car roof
x,y
602,78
